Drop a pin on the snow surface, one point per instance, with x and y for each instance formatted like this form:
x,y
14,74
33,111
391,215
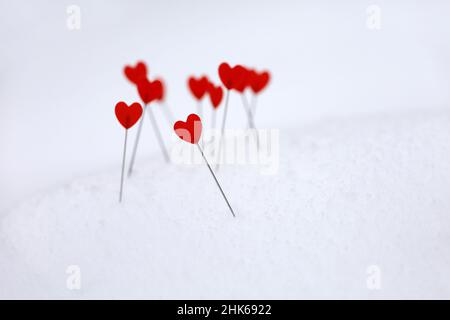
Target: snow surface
x,y
350,193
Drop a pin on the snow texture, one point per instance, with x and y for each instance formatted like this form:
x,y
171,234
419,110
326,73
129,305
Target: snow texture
x,y
350,194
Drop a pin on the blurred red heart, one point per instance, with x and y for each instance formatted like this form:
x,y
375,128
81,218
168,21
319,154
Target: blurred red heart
x,y
128,115
258,81
198,86
225,75
137,73
150,90
158,87
233,78
191,130
215,94
240,78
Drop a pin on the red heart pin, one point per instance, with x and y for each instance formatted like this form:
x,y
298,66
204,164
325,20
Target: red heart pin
x,y
150,90
215,94
258,81
191,130
136,73
225,75
198,86
233,78
158,87
240,78
128,115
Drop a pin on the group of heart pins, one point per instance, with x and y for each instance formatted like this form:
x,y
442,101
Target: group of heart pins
x,y
237,78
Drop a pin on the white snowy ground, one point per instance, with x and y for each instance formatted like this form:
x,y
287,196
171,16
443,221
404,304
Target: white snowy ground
x,y
349,194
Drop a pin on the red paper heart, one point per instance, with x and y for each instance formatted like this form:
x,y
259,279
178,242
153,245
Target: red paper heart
x,y
150,90
198,86
215,94
191,130
258,81
128,115
137,73
233,78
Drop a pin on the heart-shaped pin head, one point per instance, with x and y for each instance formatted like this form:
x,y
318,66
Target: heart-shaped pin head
x,y
137,73
225,75
215,94
258,81
240,76
233,78
198,86
158,87
128,115
150,90
189,131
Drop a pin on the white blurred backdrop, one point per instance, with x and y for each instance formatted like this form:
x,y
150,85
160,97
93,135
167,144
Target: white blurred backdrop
x,y
58,87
